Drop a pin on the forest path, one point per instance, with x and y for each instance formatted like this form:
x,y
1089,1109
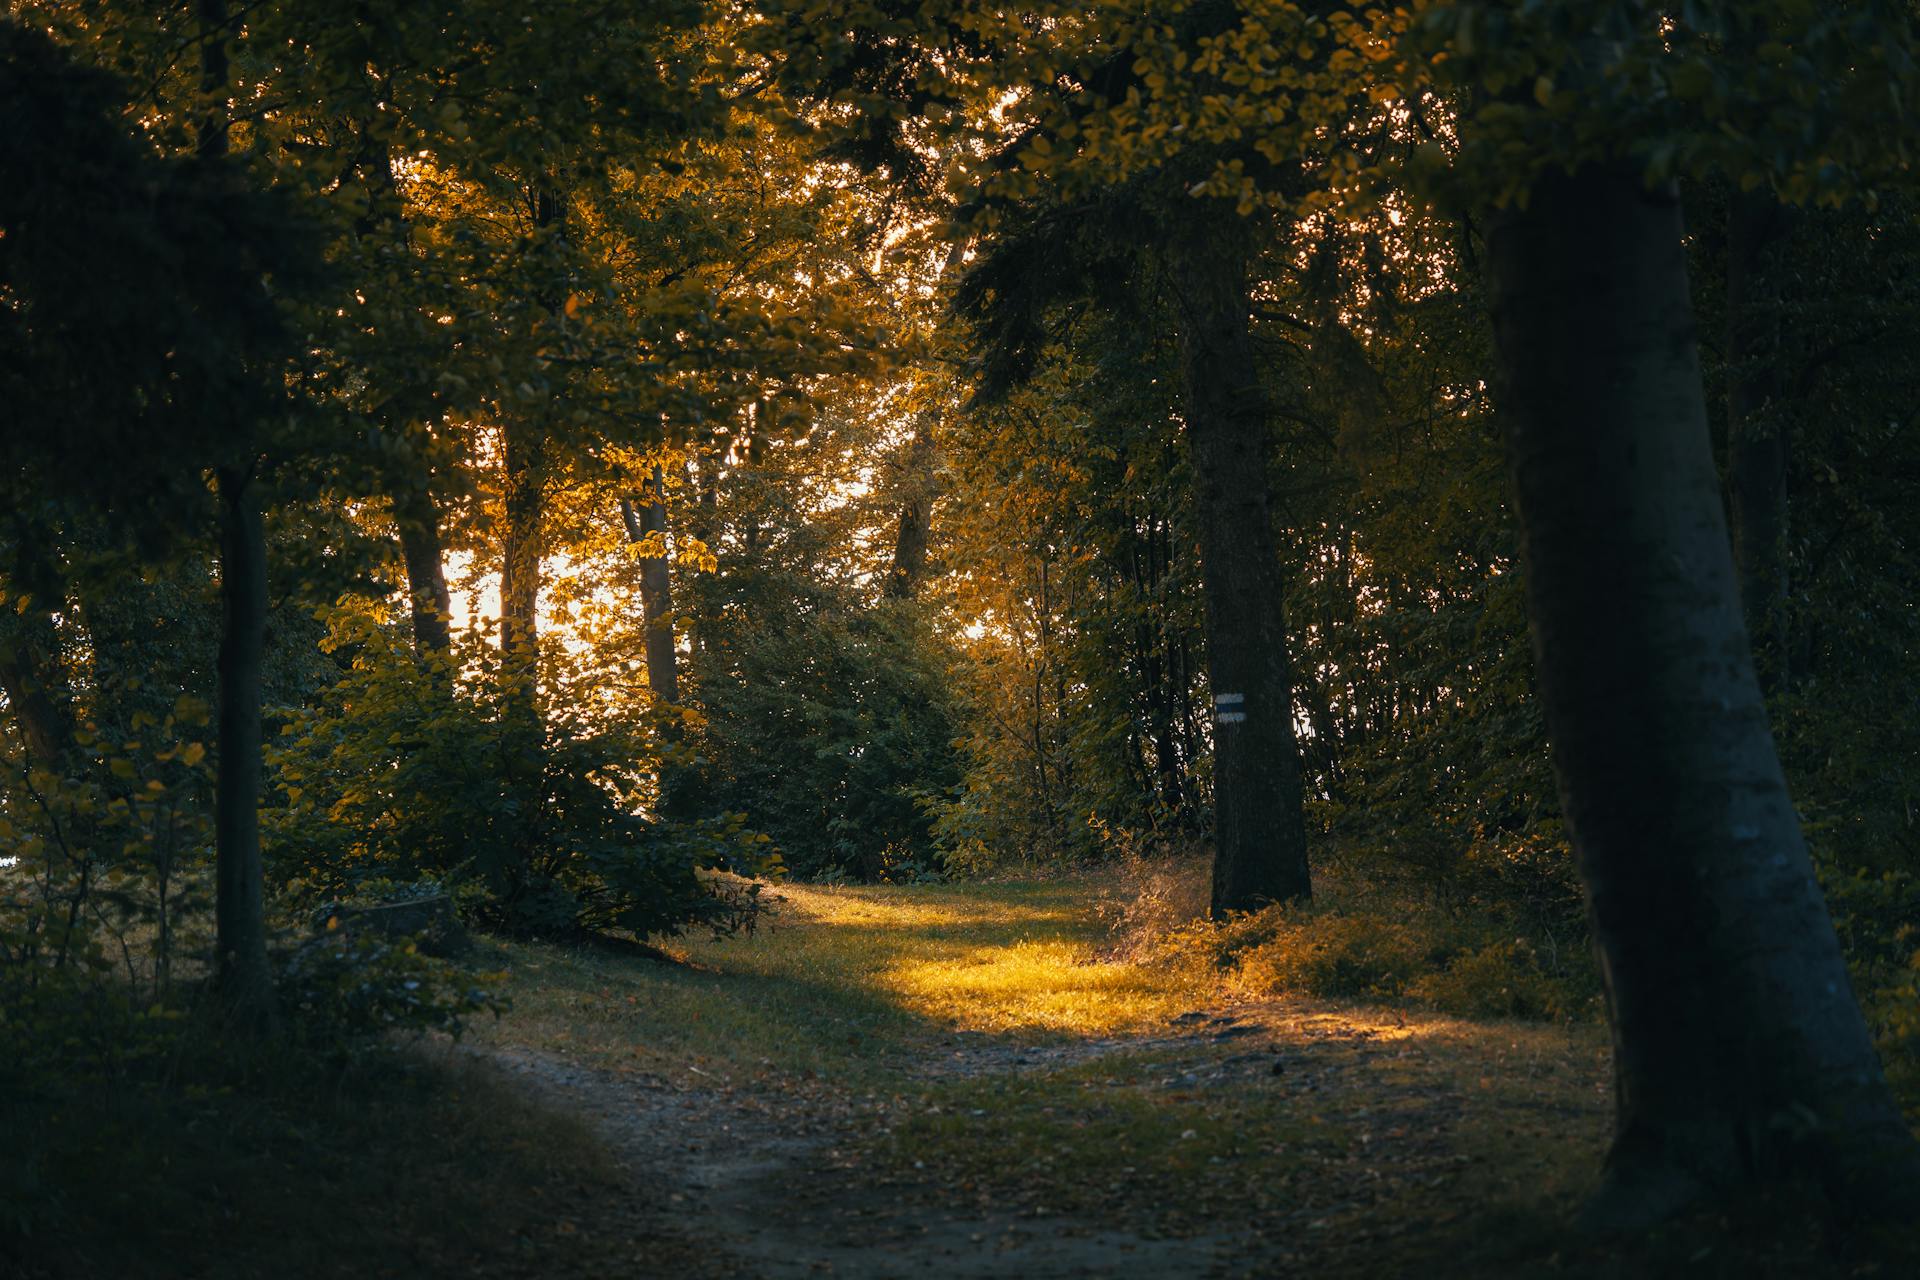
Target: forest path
x,y
956,1081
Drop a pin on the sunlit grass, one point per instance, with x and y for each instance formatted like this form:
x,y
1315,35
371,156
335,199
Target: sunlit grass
x,y
842,979
1043,986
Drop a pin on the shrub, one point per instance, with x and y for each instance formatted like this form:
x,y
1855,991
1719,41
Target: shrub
x,y
538,809
828,723
1374,945
343,988
1498,980
1338,956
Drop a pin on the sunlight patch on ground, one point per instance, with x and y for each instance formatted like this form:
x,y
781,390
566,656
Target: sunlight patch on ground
x,y
1042,985
1025,959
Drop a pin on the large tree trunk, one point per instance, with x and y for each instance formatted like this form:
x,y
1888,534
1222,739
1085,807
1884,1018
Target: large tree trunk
x,y
1756,431
239,913
915,521
1739,1052
417,522
1260,835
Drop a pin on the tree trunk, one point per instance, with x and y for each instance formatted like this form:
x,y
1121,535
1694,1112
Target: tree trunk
x,y
522,500
1756,433
656,593
417,521
1260,835
1739,1052
239,912
916,517
523,475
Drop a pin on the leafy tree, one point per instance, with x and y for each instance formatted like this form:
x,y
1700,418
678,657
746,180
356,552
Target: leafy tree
x,y
1704,906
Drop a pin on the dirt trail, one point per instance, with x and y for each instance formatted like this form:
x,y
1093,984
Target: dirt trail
x,y
753,1177
748,1174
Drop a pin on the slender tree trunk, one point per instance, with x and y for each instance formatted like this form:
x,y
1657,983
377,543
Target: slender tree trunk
x,y
745,467
240,932
239,911
523,502
642,520
1260,835
417,522
1149,578
1756,432
523,488
1739,1052
915,522
416,519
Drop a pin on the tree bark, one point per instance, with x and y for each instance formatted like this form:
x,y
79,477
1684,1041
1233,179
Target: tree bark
x,y
239,912
417,522
656,592
416,519
1756,433
523,475
240,933
1739,1052
915,522
523,502
1260,835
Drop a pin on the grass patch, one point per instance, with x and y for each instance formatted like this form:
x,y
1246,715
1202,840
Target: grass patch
x,y
1129,1141
249,1160
841,981
1323,1121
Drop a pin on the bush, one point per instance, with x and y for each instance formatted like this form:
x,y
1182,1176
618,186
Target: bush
x,y
1376,945
344,988
537,809
829,724
1498,980
1338,956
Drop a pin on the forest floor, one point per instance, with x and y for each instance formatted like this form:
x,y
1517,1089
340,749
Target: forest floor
x,y
962,1081
918,1081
